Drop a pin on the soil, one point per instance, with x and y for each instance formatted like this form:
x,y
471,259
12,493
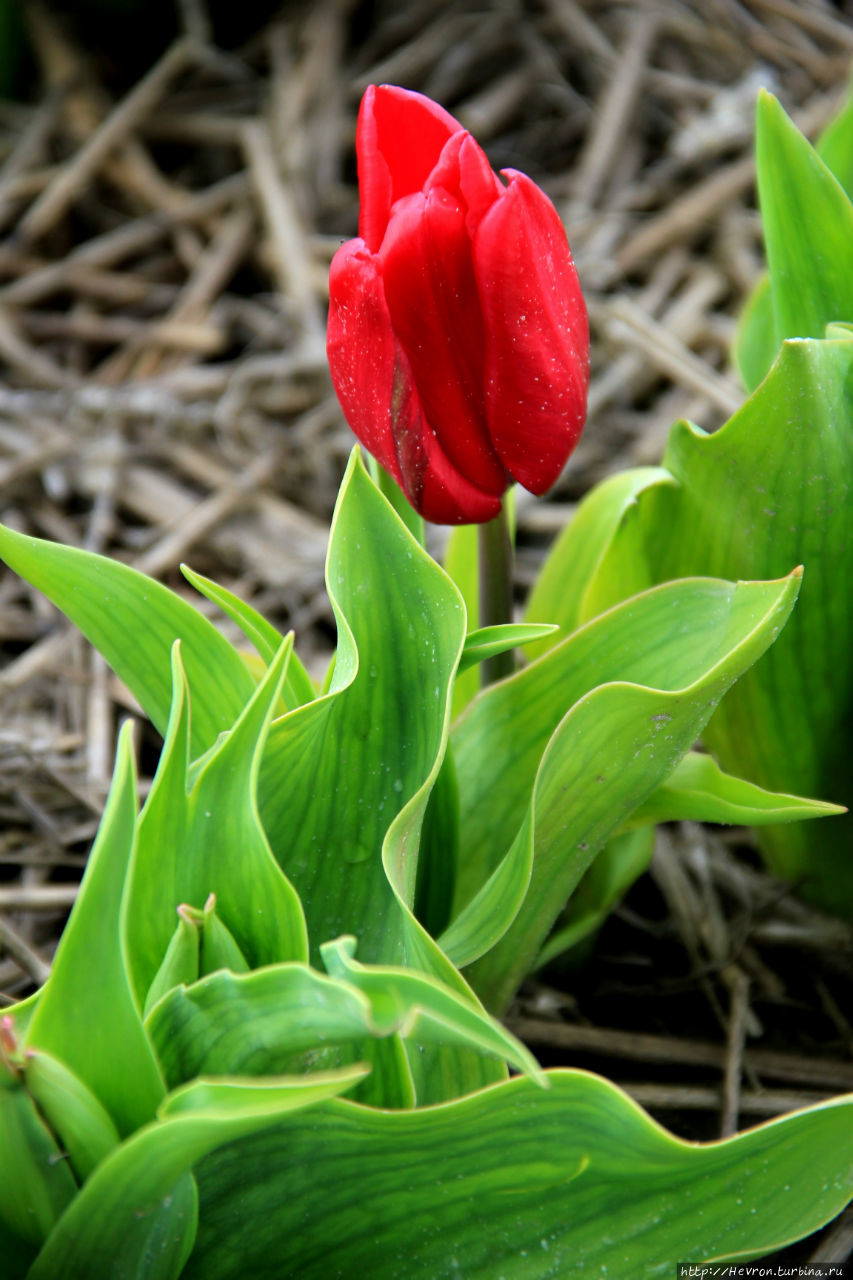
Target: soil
x,y
174,180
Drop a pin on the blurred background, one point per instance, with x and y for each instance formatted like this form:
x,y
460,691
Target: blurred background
x,y
175,176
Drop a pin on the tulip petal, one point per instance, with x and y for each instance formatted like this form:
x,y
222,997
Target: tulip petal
x,y
463,169
369,370
435,312
446,497
374,384
537,334
398,141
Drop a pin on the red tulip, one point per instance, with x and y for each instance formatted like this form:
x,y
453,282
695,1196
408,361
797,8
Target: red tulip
x,y
458,338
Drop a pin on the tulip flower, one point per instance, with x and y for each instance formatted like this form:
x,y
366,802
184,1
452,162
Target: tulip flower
x,y
458,338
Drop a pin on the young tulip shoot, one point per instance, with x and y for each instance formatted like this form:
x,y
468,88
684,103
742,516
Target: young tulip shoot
x,y
458,337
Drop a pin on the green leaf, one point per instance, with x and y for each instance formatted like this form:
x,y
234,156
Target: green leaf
x,y
571,588
74,1114
87,1016
200,834
278,1020
336,773
757,340
697,790
606,881
267,639
667,639
134,621
756,344
461,565
438,857
835,144
422,1009
286,1019
787,725
486,642
139,1206
620,740
37,1183
771,489
808,228
516,1182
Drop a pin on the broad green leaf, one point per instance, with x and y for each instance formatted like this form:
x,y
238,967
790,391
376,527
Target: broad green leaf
x,y
287,1019
335,773
787,725
266,638
278,1020
570,588
486,642
391,491
200,834
697,790
771,489
516,1182
134,621
419,1008
345,821
606,881
139,1205
808,228
615,746
87,1016
669,639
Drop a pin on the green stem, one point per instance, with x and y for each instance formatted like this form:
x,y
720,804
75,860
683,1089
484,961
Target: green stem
x,y
495,546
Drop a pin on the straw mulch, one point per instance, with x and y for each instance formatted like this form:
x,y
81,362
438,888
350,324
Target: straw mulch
x,y
165,234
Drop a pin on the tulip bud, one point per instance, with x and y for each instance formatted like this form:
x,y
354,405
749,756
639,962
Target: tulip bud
x,y
458,338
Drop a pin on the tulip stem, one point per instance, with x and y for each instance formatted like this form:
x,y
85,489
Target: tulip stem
x,y
495,547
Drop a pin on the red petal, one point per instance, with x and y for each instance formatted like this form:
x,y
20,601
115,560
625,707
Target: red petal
x,y
398,140
537,334
446,497
435,311
367,366
374,385
464,170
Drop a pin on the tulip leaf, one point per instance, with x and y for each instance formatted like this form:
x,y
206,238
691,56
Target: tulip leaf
x,y
420,1008
72,1111
805,194
580,794
193,827
515,1182
112,603
486,642
756,345
139,1205
771,489
807,218
401,626
691,635
606,881
266,638
461,564
87,1016
37,1182
699,791
835,144
570,588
